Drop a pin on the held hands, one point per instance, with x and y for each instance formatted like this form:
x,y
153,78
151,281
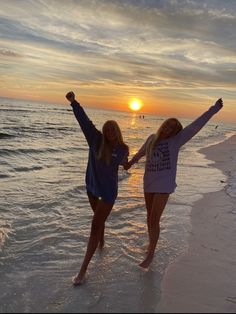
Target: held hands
x,y
70,96
127,166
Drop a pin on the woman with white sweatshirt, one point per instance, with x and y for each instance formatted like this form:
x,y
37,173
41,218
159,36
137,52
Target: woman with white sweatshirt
x,y
161,151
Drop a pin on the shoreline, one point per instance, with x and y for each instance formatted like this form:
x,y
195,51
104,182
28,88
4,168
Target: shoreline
x,y
203,279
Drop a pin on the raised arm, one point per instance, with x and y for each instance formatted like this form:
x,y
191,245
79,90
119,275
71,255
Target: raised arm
x,y
87,126
192,129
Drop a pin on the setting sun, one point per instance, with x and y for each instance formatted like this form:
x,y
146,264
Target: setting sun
x,y
135,104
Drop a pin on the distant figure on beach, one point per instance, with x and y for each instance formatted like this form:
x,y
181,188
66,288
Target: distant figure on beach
x,y
161,150
107,151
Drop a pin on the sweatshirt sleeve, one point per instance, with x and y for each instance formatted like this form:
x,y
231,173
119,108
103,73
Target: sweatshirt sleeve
x,y
87,126
124,158
141,153
192,129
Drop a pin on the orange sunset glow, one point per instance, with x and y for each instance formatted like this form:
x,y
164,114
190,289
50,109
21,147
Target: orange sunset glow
x,y
135,104
108,54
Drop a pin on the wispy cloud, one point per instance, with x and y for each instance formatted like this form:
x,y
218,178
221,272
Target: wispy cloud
x,y
140,45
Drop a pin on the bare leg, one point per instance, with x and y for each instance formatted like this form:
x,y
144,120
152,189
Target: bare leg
x,y
93,200
101,213
148,201
158,206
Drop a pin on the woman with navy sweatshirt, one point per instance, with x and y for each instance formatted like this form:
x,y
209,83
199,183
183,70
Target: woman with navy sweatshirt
x,y
161,150
107,151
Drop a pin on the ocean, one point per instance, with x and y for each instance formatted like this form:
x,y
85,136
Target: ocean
x,y
45,216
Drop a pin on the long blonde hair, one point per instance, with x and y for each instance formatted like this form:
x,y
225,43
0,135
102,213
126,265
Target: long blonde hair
x,y
105,150
158,136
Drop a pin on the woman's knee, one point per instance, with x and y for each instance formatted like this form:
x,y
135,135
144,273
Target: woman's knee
x,y
154,223
97,226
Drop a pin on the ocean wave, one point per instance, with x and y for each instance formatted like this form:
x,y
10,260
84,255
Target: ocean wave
x,y
4,176
15,110
9,152
36,109
81,189
6,135
58,128
29,130
27,169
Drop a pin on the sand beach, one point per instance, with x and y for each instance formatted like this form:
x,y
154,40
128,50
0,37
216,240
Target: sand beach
x,y
203,280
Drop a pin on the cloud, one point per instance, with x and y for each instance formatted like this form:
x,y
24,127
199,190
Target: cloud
x,y
10,53
140,44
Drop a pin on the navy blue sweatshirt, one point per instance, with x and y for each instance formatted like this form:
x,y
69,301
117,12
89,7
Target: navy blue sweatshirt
x,y
101,179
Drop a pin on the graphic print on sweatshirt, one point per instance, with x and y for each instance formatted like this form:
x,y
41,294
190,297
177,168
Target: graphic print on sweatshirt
x,y
160,159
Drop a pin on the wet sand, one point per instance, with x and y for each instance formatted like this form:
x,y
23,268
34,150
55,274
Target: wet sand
x,y
203,280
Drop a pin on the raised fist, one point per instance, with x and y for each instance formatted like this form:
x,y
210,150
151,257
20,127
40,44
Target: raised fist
x,y
219,103
70,96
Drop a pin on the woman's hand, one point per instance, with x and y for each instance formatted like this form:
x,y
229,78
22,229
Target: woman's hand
x,y
219,103
70,96
127,166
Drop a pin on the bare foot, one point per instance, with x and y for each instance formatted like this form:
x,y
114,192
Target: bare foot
x,y
147,249
78,280
146,263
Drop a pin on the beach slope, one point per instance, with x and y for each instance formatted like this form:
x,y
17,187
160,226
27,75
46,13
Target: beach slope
x,y
203,280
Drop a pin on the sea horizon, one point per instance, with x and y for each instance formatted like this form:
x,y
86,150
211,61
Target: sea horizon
x,y
139,112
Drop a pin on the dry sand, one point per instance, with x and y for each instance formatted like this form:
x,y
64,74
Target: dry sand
x,y
203,280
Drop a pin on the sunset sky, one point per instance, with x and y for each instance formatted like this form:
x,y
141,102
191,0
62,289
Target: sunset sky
x,y
176,57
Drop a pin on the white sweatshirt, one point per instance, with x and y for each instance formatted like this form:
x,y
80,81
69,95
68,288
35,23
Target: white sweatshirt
x,y
161,167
